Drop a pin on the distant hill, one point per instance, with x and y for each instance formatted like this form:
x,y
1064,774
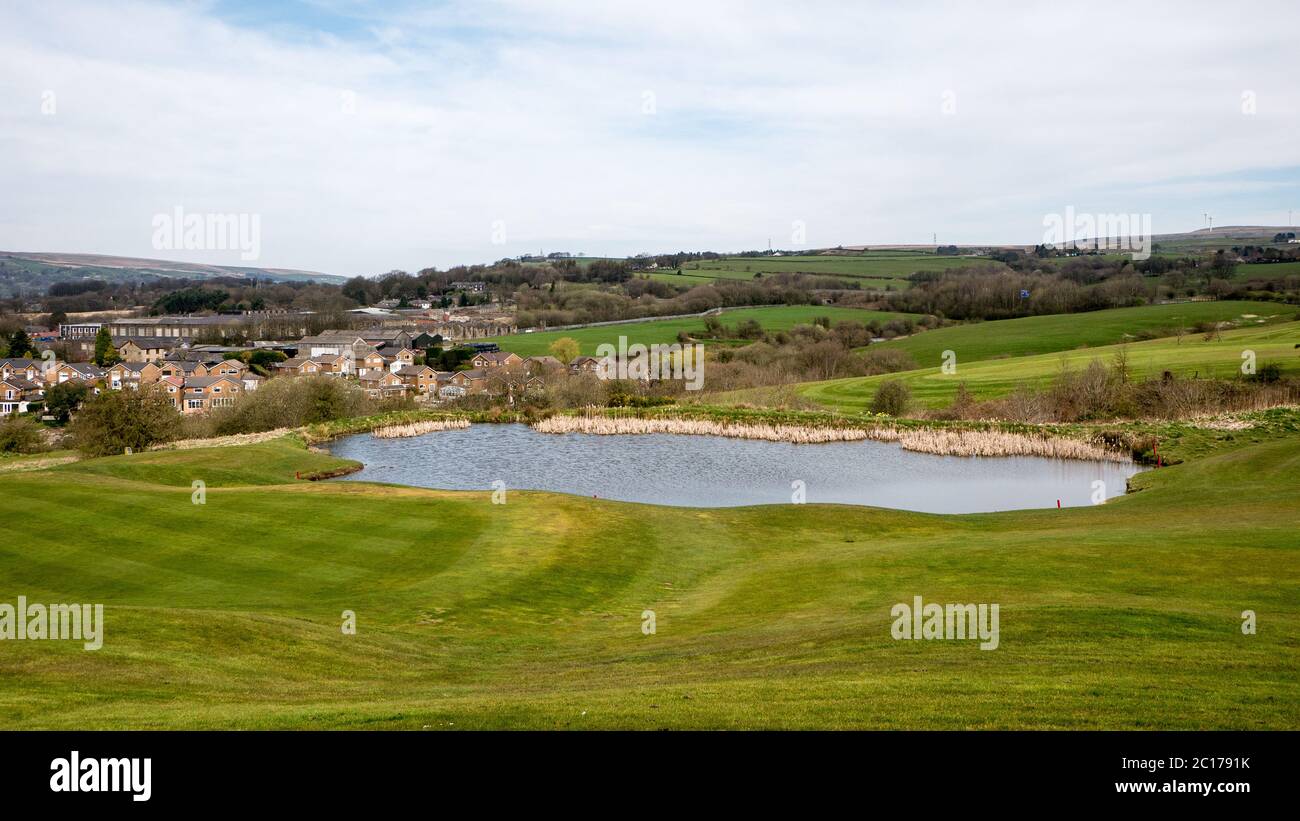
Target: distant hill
x,y
34,273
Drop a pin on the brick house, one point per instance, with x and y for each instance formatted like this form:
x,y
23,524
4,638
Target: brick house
x,y
421,378
203,393
384,385
495,359
17,393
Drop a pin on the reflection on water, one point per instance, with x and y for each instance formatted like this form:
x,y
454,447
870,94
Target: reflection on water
x,y
708,471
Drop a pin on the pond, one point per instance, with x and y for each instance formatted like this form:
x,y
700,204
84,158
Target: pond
x,y
710,471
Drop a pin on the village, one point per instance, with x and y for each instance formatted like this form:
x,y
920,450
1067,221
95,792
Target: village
x,y
386,362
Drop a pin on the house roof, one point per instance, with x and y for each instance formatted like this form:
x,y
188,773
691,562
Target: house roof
x,y
414,370
496,356
21,383
86,369
208,381
186,365
167,342
133,367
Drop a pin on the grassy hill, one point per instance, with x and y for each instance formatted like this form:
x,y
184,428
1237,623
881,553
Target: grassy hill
x,y
528,614
22,272
664,331
1059,332
1186,357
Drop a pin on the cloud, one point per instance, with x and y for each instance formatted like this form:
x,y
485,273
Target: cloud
x,y
372,136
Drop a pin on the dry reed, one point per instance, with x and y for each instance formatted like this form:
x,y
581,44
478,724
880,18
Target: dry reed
x,y
925,440
419,428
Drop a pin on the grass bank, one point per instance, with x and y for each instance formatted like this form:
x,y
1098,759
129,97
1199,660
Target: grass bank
x,y
529,614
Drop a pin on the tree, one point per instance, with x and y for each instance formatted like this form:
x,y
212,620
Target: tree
x,y
63,399
116,420
566,349
105,353
361,290
20,345
191,300
262,359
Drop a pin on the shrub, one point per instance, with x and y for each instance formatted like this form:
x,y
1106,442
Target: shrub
x,y
892,397
290,403
1268,374
21,434
116,420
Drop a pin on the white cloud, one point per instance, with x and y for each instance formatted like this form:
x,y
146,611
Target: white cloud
x,y
531,113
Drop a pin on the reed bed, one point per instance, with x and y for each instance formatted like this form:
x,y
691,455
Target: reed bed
x,y
605,426
999,443
419,428
925,440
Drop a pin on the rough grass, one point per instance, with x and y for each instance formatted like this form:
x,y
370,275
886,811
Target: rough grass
x,y
1192,356
874,269
978,341
664,331
528,614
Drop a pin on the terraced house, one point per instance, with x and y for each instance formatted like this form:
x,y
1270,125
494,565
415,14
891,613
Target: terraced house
x,y
495,359
143,348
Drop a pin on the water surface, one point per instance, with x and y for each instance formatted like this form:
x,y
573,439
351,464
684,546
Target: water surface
x,y
712,471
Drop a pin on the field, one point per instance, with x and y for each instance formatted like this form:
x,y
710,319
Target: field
x,y
881,270
1268,271
1191,356
1060,332
528,614
664,331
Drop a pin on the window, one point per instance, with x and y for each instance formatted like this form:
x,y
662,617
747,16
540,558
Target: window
x,y
194,404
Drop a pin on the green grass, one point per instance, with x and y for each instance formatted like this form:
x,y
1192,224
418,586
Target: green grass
x,y
1266,271
1191,356
528,614
664,331
977,341
874,269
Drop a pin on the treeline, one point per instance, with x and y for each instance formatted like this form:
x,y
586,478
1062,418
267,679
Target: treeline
x,y
165,295
550,306
1074,286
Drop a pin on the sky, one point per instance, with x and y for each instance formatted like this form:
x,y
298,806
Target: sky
x,y
360,136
